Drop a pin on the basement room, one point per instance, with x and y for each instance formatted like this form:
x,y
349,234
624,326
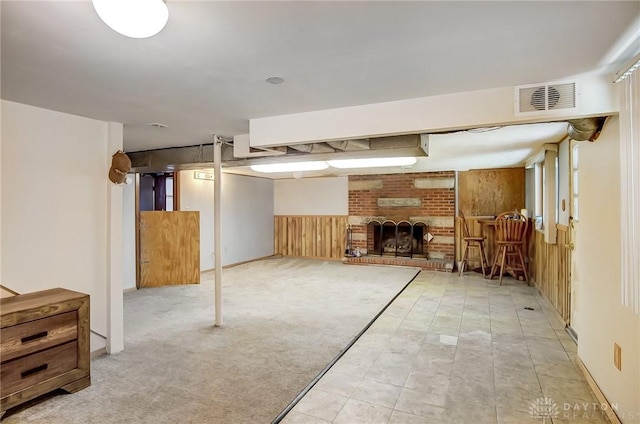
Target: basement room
x,y
372,212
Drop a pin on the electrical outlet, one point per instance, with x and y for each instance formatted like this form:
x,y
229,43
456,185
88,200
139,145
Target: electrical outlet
x,y
617,356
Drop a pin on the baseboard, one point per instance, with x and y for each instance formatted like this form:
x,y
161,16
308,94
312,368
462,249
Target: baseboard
x,y
130,289
99,352
242,263
611,415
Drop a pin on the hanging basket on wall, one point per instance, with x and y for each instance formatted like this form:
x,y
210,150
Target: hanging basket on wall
x,y
120,166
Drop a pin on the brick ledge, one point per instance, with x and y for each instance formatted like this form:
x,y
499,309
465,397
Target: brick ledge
x,y
426,264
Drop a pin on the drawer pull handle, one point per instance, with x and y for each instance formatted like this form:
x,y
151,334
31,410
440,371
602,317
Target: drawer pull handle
x,y
34,337
35,370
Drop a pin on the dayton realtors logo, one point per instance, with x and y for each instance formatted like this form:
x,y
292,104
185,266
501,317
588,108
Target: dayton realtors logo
x,y
544,408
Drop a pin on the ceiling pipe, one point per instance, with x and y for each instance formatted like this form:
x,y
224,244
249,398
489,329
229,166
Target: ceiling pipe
x,y
350,145
585,129
312,148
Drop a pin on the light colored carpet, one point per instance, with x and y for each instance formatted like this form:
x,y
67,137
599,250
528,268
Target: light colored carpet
x,y
285,319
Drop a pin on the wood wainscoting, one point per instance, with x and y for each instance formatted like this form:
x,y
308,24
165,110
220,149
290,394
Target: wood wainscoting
x,y
310,236
551,271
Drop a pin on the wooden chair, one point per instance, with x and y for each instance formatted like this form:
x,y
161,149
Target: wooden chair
x,y
511,231
472,242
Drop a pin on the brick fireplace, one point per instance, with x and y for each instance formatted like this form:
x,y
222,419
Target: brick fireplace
x,y
403,219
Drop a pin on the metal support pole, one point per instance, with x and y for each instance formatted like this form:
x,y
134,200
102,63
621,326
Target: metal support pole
x,y
217,226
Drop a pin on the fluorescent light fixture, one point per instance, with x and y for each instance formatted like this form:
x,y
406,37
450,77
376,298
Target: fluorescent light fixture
x,y
372,162
199,175
290,167
133,18
629,69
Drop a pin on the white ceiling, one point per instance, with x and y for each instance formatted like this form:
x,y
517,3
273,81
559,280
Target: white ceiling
x,y
204,73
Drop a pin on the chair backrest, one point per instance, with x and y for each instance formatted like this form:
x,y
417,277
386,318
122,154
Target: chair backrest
x,y
465,226
511,226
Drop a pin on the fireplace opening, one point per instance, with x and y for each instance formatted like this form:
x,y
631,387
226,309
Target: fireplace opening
x,y
390,238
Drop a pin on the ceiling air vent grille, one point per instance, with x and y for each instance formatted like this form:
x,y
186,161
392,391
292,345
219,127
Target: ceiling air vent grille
x,y
537,98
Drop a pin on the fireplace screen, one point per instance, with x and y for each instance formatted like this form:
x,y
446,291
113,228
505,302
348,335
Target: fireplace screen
x,y
390,238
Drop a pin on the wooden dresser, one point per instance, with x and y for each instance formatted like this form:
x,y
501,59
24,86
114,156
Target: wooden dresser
x,y
44,341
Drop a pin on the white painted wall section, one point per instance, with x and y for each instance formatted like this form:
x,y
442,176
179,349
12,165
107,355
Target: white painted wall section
x,y
427,114
312,196
197,195
600,319
129,234
57,228
247,218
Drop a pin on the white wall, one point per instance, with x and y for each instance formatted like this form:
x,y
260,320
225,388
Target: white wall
x,y
129,235
563,182
312,196
197,195
57,227
247,218
600,319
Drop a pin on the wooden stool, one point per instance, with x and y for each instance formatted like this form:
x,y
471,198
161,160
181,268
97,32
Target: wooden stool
x,y
472,242
511,229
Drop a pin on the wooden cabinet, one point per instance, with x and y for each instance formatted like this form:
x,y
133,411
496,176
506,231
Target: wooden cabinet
x,y
44,345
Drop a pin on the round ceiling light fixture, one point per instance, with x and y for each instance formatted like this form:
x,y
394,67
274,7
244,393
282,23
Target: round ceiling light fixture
x,y
133,18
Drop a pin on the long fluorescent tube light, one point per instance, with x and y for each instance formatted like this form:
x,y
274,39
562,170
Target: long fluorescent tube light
x,y
629,69
372,162
290,167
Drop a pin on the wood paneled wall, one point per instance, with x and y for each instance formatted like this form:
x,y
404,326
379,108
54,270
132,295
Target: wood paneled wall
x,y
551,271
310,236
491,191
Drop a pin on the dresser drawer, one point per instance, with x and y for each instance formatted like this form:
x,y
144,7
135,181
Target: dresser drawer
x,y
23,339
33,369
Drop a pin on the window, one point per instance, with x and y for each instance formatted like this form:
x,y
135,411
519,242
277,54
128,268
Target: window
x,y
546,191
169,193
538,196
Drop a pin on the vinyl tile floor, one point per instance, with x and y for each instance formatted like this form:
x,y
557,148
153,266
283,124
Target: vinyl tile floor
x,y
458,350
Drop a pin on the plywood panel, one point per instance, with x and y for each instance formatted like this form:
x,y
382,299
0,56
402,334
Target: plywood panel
x,y
310,236
491,191
169,248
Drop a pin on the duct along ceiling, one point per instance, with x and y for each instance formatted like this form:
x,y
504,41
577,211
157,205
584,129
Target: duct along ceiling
x,y
476,148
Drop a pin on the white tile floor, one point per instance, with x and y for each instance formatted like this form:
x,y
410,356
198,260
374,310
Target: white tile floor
x,y
455,349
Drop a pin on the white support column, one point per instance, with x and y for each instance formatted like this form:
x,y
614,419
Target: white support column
x,y
115,308
217,226
549,203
